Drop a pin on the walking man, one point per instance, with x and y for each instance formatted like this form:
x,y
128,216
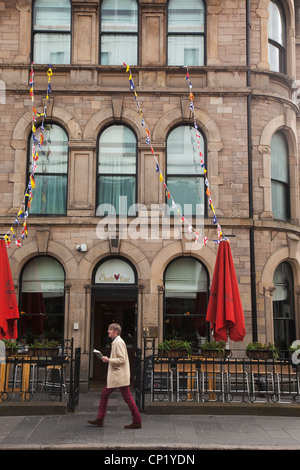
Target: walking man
x,y
118,376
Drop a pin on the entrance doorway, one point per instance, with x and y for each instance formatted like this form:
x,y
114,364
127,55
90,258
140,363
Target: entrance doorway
x,y
105,312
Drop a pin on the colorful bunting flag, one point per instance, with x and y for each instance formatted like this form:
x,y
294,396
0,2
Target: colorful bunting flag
x,y
26,204
161,178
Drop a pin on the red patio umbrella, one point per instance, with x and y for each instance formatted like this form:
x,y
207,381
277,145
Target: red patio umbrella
x,y
9,312
225,311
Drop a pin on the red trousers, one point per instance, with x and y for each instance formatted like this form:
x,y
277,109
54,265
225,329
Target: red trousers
x,y
126,394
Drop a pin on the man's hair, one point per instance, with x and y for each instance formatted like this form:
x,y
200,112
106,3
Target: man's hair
x,y
116,327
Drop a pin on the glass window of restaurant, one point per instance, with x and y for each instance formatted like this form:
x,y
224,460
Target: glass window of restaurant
x,y
185,174
283,307
277,37
42,300
117,165
119,32
51,174
186,33
52,32
186,298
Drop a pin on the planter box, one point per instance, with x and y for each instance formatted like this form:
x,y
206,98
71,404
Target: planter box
x,y
11,352
215,353
43,352
259,354
173,353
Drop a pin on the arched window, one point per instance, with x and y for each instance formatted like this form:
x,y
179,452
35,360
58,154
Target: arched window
x,y
280,177
283,307
42,300
186,298
119,32
52,32
116,185
277,37
186,32
51,175
184,174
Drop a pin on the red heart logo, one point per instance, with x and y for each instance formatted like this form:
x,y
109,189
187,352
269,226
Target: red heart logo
x,y
117,276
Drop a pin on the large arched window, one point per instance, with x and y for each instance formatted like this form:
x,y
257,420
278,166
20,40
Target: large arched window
x,y
186,32
186,297
51,174
116,185
280,177
42,300
119,32
283,307
52,32
185,175
277,37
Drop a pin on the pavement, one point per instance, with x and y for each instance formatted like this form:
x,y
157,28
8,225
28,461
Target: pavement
x,y
163,436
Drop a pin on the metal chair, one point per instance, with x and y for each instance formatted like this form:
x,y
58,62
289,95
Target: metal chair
x,y
55,380
187,380
237,380
212,380
287,380
262,381
161,380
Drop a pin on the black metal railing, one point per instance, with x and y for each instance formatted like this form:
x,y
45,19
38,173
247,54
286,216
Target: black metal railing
x,y
202,379
25,377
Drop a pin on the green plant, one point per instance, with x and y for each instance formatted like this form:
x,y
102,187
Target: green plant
x,y
44,344
215,345
256,346
10,344
294,348
173,344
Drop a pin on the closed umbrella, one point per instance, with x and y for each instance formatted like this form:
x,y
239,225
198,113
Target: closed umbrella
x,y
9,312
225,311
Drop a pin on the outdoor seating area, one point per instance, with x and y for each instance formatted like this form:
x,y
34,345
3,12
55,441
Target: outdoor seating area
x,y
203,379
40,377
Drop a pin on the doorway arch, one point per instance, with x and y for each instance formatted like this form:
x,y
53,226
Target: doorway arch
x,y
114,299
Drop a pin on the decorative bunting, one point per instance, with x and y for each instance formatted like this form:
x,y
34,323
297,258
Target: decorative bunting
x,y
21,218
191,229
208,193
174,206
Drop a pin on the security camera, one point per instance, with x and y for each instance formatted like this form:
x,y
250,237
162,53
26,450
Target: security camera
x,y
80,247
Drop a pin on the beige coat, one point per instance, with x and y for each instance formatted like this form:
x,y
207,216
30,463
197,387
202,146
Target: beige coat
x,y
118,374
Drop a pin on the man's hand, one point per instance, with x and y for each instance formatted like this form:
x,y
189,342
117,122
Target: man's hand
x,y
105,359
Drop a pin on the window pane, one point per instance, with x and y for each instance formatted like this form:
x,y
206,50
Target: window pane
x,y
183,152
52,48
186,50
279,200
118,191
276,24
50,195
188,193
186,16
117,151
184,278
52,15
116,49
279,158
119,16
50,192
53,158
42,301
186,297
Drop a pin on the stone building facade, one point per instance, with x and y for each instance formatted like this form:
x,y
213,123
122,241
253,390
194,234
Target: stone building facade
x,y
242,99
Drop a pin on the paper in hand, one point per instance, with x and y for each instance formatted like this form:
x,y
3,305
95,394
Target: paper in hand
x,y
98,353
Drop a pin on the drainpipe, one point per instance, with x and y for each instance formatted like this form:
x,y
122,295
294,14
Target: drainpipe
x,y
250,178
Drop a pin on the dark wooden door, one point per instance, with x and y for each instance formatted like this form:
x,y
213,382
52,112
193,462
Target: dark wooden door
x,y
107,312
